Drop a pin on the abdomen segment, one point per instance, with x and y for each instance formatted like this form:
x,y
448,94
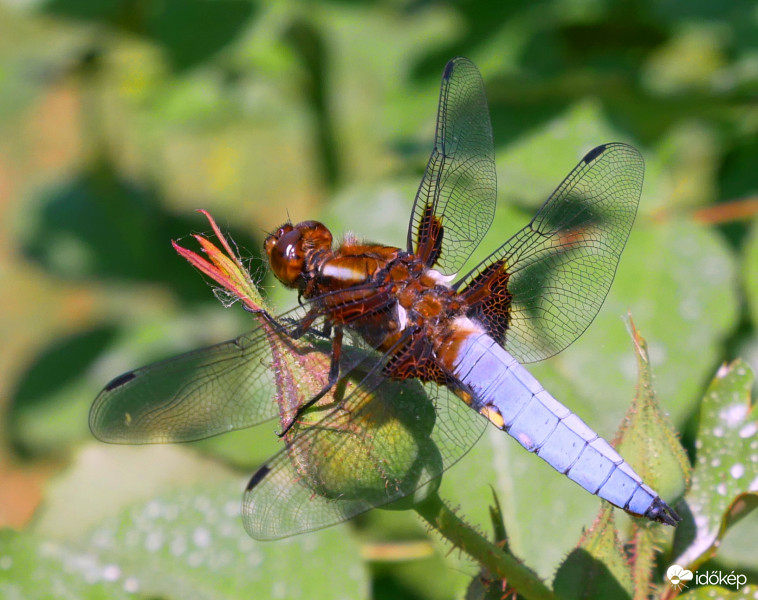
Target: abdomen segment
x,y
513,400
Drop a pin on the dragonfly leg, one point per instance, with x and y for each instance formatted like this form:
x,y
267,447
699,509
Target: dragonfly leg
x,y
326,332
302,327
334,374
305,324
263,313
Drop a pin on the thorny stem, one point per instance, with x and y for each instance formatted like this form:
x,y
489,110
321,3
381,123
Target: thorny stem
x,y
489,555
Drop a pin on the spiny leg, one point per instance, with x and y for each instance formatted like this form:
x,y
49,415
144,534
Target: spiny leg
x,y
302,327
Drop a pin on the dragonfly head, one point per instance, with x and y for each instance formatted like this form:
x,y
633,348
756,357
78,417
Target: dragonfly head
x,y
290,248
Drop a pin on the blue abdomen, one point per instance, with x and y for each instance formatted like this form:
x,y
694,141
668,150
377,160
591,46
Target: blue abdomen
x,y
512,399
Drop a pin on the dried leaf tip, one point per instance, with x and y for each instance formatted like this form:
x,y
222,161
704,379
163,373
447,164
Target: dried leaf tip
x,y
223,266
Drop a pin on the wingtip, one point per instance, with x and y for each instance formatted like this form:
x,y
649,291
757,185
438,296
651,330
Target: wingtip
x,y
448,69
117,382
594,153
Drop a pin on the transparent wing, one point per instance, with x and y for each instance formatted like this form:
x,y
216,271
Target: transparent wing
x,y
192,396
228,386
455,203
540,290
385,441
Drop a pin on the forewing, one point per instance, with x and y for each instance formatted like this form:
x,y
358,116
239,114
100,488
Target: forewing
x,y
192,396
235,384
383,442
540,290
455,203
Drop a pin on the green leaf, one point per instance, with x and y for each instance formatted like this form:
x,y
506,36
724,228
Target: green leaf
x,y
193,30
85,10
725,480
646,438
103,480
714,592
32,568
598,567
190,543
165,521
46,407
185,543
189,30
84,229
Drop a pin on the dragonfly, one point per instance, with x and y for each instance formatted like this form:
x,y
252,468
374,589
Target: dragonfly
x,y
394,363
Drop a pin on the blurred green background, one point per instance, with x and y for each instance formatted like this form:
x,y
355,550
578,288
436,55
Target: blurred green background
x,y
118,118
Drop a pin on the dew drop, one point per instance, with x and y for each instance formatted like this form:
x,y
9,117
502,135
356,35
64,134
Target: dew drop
x,y
131,585
749,430
716,462
721,489
733,414
153,509
202,537
737,470
111,572
718,431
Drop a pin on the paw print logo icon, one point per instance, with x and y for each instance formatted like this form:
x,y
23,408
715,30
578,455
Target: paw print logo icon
x,y
678,575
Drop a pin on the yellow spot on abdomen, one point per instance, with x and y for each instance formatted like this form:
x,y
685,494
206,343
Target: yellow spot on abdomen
x,y
493,414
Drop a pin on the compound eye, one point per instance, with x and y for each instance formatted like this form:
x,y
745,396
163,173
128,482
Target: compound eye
x,y
287,246
286,257
269,244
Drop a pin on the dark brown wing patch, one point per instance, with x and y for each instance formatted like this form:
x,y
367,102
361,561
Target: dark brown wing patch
x,y
489,301
459,184
415,360
429,235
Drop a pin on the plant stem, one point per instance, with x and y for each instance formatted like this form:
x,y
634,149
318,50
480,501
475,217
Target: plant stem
x,y
489,555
